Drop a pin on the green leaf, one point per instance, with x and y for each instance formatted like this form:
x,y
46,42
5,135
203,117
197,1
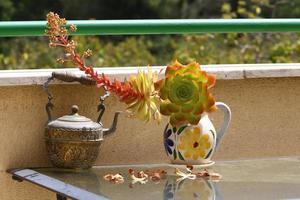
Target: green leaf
x,y
174,129
209,153
181,129
174,154
180,156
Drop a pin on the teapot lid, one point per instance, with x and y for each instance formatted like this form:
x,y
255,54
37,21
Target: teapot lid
x,y
75,122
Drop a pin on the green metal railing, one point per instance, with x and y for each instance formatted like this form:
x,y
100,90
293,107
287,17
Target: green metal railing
x,y
176,26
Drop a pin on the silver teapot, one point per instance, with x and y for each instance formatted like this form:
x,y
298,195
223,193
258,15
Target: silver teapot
x,y
73,141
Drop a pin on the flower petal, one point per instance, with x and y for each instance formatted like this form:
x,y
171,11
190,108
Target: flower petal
x,y
168,133
169,150
170,142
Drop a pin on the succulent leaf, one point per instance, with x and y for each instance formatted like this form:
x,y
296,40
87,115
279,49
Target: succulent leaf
x,y
184,93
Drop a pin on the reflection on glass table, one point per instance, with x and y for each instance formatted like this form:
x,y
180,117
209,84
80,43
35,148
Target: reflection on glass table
x,y
277,178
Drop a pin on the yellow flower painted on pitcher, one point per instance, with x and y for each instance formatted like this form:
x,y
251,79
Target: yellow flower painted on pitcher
x,y
194,144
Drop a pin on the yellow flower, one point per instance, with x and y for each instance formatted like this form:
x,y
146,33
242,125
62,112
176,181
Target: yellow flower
x,y
145,106
194,143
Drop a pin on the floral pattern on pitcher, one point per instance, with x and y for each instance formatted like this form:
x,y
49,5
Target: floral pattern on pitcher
x,y
188,143
194,143
168,142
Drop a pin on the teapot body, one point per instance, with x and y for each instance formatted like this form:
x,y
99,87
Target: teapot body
x,y
75,148
73,141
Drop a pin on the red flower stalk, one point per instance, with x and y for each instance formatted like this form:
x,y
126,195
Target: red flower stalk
x,y
58,35
138,93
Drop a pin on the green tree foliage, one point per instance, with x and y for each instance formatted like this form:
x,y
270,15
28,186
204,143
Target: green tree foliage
x,y
6,9
18,53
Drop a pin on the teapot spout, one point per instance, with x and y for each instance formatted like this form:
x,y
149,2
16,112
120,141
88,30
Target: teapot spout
x,y
113,127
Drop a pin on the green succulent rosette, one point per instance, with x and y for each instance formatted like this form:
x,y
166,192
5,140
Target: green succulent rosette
x,y
184,93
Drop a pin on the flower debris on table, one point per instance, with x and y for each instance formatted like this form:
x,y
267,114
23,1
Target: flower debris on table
x,y
142,177
189,174
156,175
185,175
114,178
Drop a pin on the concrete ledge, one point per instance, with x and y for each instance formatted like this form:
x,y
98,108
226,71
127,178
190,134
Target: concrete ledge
x,y
223,72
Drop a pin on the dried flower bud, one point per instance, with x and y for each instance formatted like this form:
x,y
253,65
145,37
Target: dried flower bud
x,y
72,42
62,21
73,28
70,47
63,31
60,61
51,44
87,53
53,38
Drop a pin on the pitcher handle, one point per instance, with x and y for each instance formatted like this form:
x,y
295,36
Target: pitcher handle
x,y
226,120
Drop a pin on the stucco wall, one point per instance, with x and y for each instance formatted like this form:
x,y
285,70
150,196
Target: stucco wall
x,y
265,123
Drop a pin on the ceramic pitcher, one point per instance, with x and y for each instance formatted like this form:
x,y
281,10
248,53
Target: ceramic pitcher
x,y
195,144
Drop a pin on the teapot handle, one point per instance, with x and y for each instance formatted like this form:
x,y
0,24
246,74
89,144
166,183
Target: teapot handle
x,y
227,118
101,109
101,106
70,77
49,106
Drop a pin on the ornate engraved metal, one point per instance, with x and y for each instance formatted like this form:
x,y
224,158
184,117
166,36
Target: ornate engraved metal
x,y
73,154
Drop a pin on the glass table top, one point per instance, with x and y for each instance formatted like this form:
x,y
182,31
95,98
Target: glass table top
x,y
277,178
